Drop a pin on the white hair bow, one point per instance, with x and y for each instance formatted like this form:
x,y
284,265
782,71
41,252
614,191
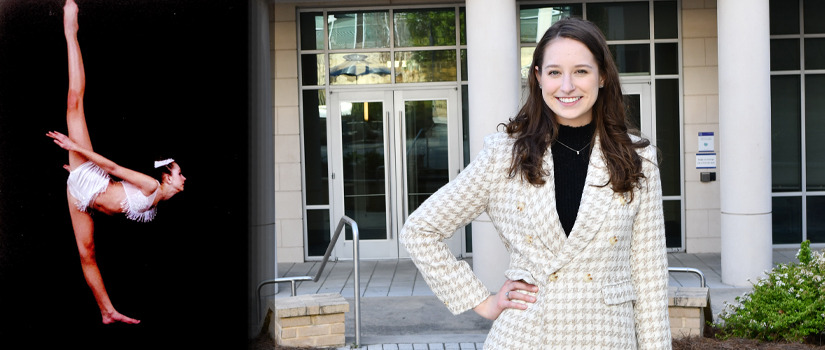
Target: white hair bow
x,y
160,163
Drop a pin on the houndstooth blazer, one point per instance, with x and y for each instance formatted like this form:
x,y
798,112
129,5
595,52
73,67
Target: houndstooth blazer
x,y
603,287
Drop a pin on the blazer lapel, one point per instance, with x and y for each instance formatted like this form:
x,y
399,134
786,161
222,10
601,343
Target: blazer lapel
x,y
595,202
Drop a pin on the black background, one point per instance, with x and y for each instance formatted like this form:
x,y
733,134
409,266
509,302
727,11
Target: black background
x,y
161,77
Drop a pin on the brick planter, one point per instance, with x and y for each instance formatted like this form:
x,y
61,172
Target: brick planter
x,y
311,320
689,308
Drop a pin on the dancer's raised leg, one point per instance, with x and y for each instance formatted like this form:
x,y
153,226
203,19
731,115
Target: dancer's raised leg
x,y
75,115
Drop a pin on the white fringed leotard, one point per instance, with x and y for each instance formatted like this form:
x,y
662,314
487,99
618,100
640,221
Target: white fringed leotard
x,y
88,181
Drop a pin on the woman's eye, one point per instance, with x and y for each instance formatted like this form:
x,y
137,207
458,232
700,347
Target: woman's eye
x,y
553,73
581,71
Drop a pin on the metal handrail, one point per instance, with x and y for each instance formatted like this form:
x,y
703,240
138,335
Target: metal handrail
x,y
345,220
690,270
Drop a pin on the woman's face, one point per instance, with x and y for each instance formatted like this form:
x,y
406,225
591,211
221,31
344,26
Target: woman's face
x,y
569,79
176,178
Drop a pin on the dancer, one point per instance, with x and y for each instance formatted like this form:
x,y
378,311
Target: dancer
x,y
90,187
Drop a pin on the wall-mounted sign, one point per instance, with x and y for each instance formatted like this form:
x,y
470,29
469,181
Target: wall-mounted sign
x,y
705,160
706,141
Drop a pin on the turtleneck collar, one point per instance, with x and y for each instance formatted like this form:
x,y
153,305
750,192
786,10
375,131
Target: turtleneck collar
x,y
576,136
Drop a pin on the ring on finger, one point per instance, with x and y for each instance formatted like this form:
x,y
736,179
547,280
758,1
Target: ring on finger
x,y
507,295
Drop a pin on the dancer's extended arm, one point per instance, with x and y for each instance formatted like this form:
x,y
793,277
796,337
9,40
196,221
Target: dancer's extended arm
x,y
146,183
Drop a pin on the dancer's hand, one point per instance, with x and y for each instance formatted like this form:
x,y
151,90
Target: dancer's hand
x,y
509,296
62,140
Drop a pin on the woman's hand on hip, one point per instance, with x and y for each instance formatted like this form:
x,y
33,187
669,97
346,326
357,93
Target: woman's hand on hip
x,y
511,295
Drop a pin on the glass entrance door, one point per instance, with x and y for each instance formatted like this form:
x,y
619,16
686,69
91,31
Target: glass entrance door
x,y
637,100
393,150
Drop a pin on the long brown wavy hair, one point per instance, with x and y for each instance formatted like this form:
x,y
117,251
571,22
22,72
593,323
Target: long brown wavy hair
x,y
535,127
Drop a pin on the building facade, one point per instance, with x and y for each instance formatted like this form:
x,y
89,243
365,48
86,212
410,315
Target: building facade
x,y
376,104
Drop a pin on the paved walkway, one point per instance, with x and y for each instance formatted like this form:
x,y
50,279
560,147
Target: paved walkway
x,y
399,311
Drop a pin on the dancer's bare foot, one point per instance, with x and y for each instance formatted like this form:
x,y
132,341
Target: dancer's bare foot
x,y
70,17
115,316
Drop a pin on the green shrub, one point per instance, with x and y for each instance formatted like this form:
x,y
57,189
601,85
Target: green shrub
x,y
788,304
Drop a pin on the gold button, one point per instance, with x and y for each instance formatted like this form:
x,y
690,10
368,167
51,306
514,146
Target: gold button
x,y
554,277
530,239
588,278
520,206
614,240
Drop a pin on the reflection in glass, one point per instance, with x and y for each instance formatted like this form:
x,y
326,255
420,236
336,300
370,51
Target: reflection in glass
x,y
667,135
816,219
425,66
312,31
312,69
673,223
362,141
359,69
526,60
784,54
535,20
424,27
667,58
621,21
784,17
426,149
665,23
315,147
787,220
359,30
632,58
815,131
632,106
815,53
318,231
464,76
813,10
463,21
786,116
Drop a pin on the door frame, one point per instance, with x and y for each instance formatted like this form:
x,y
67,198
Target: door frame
x,y
395,163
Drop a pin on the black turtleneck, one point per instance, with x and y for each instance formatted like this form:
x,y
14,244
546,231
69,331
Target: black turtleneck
x,y
570,170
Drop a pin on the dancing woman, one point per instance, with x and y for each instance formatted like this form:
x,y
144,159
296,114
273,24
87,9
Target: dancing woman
x,y
90,186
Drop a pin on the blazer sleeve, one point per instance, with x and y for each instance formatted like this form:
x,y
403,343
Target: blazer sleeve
x,y
454,205
649,260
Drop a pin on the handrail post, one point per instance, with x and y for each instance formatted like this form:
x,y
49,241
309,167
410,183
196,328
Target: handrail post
x,y
357,282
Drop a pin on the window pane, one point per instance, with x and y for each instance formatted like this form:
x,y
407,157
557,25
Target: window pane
x,y
786,110
787,220
526,60
667,58
360,68
815,53
424,27
816,219
315,147
665,23
673,223
465,132
312,31
621,21
425,66
535,20
464,76
318,233
784,54
667,134
813,10
632,58
359,30
784,17
312,70
462,18
815,131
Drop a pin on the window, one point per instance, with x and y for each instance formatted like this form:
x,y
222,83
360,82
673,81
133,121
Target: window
x,y
797,120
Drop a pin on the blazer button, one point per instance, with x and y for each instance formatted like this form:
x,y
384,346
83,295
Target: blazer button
x,y
614,240
553,277
588,278
520,206
529,239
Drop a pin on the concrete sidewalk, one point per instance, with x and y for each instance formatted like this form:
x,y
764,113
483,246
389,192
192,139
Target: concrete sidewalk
x,y
399,311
